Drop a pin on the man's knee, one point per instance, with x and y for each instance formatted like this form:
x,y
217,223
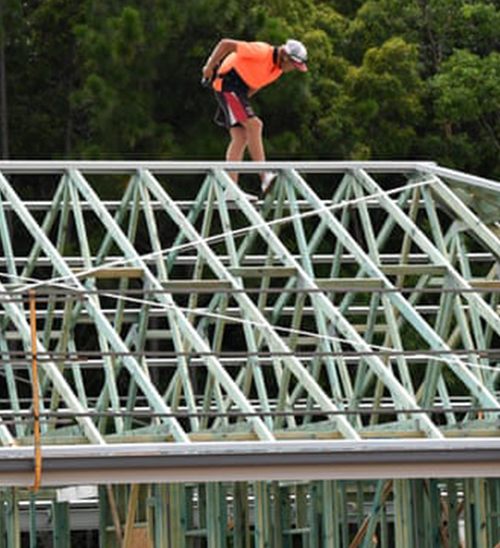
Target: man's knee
x,y
254,124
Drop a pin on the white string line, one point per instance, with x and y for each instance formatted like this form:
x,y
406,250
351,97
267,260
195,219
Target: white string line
x,y
264,326
220,237
329,338
344,203
292,331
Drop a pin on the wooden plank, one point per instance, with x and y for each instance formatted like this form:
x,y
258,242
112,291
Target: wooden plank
x,y
293,342
140,539
128,540
346,284
485,284
414,269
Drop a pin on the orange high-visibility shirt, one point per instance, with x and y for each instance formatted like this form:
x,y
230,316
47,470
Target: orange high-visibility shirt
x,y
254,63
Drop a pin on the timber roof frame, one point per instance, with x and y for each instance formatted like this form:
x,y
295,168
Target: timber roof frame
x,y
164,287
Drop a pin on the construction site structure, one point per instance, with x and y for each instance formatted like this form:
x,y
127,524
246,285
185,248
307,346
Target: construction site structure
x,y
186,367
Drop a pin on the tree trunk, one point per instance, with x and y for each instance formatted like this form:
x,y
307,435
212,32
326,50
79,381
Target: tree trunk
x,y
4,128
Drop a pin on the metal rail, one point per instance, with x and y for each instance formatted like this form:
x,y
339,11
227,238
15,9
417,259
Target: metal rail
x,y
247,461
44,167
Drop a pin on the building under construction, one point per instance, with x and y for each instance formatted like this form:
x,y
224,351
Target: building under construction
x,y
185,367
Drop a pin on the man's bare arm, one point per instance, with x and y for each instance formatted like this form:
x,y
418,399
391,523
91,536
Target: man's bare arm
x,y
221,50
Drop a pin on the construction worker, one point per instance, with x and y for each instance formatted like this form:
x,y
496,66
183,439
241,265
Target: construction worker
x,y
237,70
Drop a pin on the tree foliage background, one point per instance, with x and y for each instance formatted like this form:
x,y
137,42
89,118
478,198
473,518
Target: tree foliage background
x,y
120,79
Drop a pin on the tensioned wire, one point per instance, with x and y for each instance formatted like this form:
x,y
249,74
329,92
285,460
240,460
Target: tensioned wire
x,y
220,237
242,414
293,331
59,281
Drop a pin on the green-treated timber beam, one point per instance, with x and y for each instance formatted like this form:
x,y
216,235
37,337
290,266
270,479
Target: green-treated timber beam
x,y
436,342
187,328
101,321
400,394
253,313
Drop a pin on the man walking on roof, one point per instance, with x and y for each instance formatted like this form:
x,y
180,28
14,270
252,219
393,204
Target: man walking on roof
x,y
237,71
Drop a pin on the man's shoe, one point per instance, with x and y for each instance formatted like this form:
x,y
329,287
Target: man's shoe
x,y
251,197
268,181
231,196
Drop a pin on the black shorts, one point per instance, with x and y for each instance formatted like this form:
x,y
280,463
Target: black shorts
x,y
234,108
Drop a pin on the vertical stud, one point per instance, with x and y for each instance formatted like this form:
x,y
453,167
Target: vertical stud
x,y
313,516
435,515
277,515
402,514
3,517
286,516
241,516
344,520
61,529
103,505
216,516
480,512
12,518
32,520
453,523
262,516
329,537
177,517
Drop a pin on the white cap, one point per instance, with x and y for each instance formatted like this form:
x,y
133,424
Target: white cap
x,y
297,53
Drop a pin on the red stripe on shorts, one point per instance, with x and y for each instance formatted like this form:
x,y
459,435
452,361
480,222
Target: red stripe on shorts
x,y
236,109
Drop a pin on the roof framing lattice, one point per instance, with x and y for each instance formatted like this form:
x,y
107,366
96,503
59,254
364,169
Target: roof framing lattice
x,y
358,301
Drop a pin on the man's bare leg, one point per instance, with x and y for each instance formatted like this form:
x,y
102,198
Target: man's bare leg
x,y
236,148
254,127
235,152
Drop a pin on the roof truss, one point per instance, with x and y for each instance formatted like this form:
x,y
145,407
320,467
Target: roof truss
x,y
358,300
